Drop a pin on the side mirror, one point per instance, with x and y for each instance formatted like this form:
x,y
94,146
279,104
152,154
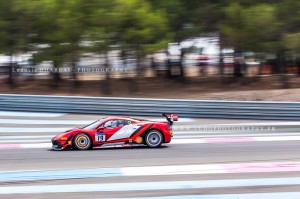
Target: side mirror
x,y
100,128
107,126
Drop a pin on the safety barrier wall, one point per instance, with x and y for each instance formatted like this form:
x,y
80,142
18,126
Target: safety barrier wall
x,y
151,107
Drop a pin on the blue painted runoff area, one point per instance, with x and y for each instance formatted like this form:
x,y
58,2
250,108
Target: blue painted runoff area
x,y
58,174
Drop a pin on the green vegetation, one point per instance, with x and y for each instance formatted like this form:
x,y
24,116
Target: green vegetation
x,y
145,26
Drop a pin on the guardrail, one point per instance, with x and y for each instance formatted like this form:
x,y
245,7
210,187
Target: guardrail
x,y
151,107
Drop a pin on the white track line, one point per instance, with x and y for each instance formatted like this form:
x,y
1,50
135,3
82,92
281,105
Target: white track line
x,y
256,167
30,114
276,195
148,186
178,141
66,122
258,124
26,137
53,130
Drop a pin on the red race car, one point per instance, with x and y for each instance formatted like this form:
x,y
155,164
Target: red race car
x,y
117,131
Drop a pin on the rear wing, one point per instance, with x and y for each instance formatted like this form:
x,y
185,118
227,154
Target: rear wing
x,y
171,117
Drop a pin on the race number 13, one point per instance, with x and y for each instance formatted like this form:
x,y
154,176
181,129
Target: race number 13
x,y
100,137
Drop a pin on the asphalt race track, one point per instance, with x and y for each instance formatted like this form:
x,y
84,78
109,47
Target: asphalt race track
x,y
239,159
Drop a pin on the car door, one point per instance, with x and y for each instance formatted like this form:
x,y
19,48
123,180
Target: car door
x,y
112,131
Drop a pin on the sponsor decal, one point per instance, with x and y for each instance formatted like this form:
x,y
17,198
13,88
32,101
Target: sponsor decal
x,y
100,137
139,139
173,117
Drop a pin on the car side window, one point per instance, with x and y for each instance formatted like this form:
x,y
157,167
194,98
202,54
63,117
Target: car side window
x,y
108,124
115,123
127,122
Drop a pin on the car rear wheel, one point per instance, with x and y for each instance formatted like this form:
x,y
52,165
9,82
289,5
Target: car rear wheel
x,y
153,139
82,142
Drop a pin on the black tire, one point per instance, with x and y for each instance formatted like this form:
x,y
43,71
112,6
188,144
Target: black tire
x,y
153,139
82,142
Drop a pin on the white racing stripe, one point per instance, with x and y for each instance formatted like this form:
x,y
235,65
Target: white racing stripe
x,y
124,132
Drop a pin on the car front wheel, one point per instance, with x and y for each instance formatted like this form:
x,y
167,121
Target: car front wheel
x,y
82,142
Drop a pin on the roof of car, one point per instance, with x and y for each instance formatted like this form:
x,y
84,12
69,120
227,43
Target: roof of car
x,y
123,117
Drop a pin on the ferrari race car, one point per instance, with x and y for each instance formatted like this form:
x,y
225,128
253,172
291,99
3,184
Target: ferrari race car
x,y
117,132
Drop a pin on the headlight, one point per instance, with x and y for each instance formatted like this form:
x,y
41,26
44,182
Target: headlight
x,y
63,138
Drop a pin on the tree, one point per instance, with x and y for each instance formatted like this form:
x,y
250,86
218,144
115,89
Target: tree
x,y
250,29
15,30
102,22
143,35
61,24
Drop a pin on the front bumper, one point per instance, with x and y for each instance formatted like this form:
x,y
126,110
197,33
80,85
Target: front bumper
x,y
56,145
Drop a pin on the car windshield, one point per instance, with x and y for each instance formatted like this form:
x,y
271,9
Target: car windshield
x,y
93,125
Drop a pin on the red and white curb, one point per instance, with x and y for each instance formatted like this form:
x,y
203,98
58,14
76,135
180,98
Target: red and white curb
x,y
177,141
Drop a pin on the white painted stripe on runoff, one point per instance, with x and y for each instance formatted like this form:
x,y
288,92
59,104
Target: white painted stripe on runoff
x,y
179,120
216,126
54,130
26,137
277,138
172,170
188,141
179,141
231,136
278,195
265,124
149,186
66,122
217,134
24,141
36,146
235,139
30,114
75,122
257,167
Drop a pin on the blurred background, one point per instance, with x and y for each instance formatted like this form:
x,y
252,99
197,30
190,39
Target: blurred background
x,y
216,51
145,47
